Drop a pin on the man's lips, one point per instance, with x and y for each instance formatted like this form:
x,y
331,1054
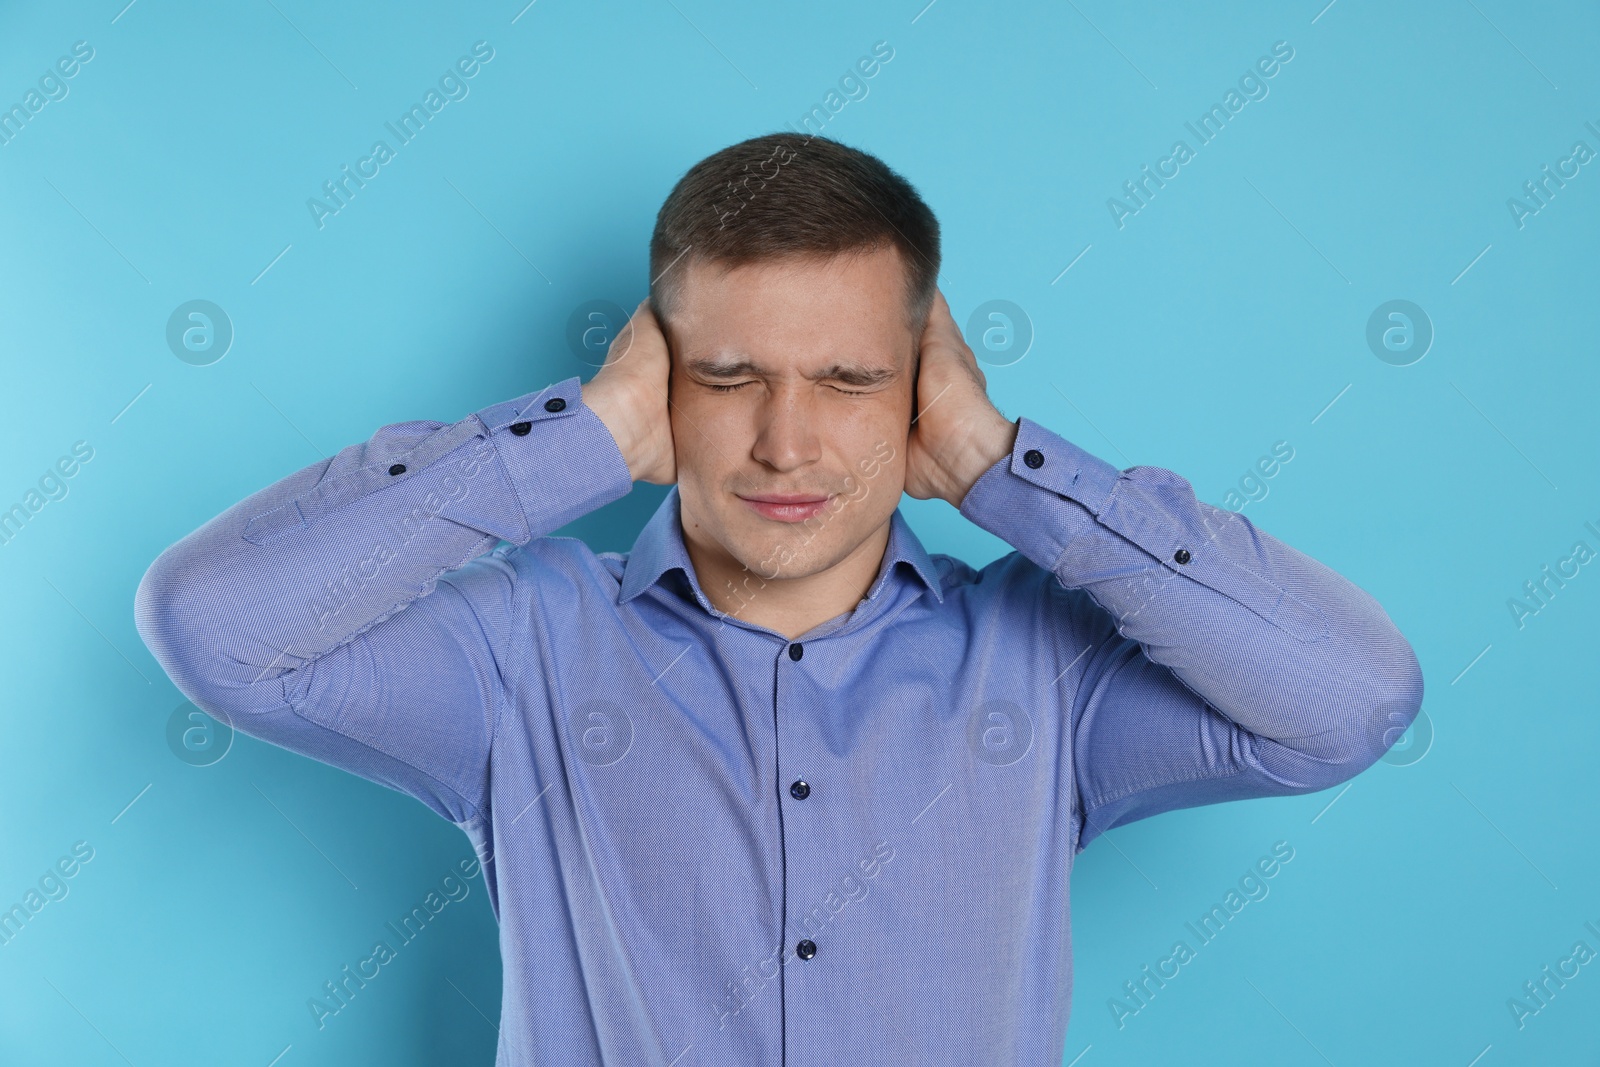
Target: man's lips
x,y
785,498
786,507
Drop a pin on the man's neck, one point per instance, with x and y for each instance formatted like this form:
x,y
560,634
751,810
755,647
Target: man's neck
x,y
790,606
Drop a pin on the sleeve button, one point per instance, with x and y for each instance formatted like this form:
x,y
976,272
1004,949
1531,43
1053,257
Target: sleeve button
x,y
521,428
555,403
1033,458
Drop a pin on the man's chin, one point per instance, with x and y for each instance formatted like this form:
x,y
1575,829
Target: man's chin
x,y
777,550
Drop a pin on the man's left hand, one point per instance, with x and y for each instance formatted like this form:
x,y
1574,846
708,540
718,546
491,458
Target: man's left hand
x,y
958,434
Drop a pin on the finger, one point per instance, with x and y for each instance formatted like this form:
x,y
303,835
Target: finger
x,y
933,312
942,331
622,344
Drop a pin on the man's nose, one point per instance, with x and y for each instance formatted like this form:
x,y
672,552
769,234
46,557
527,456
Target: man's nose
x,y
786,430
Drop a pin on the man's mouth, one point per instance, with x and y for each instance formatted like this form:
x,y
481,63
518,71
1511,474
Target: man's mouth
x,y
786,507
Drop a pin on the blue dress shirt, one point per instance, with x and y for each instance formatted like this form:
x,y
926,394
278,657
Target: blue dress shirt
x,y
706,844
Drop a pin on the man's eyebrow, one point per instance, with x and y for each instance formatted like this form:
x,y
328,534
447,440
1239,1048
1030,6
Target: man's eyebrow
x,y
855,374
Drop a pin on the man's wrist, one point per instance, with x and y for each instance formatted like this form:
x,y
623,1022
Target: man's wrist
x,y
599,402
984,450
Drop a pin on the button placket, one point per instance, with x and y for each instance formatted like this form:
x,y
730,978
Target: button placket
x,y
799,791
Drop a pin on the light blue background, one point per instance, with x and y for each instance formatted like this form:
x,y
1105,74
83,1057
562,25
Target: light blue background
x,y
1228,314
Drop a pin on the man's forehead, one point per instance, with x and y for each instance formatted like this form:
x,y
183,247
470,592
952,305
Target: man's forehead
x,y
856,281
808,313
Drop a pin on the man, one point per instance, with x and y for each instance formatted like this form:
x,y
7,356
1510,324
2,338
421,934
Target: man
x,y
777,786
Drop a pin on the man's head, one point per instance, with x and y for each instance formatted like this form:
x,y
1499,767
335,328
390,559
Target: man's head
x,y
783,195
792,277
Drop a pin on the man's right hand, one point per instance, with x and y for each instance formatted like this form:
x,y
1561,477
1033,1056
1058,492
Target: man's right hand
x,y
629,394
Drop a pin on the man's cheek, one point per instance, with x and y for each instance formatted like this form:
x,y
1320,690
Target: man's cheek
x,y
880,459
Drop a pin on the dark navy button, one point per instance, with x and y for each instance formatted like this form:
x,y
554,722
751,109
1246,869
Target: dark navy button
x,y
1182,555
555,403
800,790
398,468
521,428
1033,458
806,949
795,651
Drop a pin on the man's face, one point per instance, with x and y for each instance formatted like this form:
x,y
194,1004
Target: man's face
x,y
820,360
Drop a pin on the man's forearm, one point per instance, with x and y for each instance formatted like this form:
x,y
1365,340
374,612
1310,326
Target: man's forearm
x,y
1275,640
299,567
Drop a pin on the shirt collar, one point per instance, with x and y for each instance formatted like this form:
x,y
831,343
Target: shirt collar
x,y
660,549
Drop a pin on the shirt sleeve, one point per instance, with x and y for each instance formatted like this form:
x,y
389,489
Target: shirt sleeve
x,y
349,612
1213,661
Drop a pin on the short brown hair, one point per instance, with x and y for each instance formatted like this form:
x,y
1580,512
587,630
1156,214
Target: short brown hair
x,y
785,194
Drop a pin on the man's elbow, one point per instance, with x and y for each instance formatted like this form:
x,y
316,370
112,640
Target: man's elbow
x,y
172,623
1392,702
